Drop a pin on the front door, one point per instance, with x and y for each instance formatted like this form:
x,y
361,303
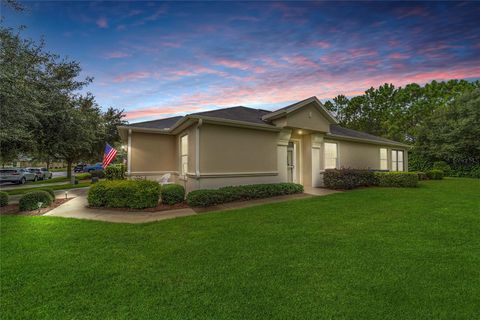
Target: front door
x,y
291,162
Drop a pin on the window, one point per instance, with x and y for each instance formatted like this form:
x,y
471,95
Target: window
x,y
330,155
397,160
184,155
383,159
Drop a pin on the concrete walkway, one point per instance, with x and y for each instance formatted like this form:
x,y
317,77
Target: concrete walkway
x,y
77,208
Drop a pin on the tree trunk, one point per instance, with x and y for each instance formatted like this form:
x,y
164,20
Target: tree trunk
x,y
69,169
48,164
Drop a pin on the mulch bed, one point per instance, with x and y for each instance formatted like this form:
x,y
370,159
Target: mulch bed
x,y
13,209
159,207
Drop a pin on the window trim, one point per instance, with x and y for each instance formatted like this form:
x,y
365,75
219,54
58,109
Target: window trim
x,y
384,159
325,155
183,173
396,162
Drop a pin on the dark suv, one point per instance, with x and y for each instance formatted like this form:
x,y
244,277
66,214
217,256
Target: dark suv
x,y
79,167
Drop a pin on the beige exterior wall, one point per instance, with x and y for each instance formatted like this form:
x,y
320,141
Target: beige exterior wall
x,y
359,155
151,152
226,149
308,117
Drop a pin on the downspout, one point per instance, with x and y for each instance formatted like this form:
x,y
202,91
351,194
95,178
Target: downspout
x,y
129,152
197,152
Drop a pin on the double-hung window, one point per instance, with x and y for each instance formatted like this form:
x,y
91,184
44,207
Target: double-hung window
x,y
331,155
383,159
184,155
397,160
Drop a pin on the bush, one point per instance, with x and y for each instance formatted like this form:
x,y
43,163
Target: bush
x,y
50,192
206,198
397,179
435,174
442,166
421,175
3,199
172,194
100,174
29,201
83,176
136,194
115,172
348,178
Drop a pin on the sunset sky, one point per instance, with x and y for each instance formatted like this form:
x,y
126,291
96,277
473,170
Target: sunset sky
x,y
159,59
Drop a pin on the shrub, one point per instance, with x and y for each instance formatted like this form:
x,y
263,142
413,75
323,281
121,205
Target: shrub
x,y
442,166
397,179
136,194
30,200
172,194
3,199
205,197
421,175
100,174
115,172
83,176
348,178
50,192
435,174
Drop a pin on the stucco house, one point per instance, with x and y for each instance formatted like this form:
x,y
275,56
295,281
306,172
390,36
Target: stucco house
x,y
240,145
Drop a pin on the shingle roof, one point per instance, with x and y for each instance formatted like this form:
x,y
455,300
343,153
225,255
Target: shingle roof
x,y
237,113
157,124
350,133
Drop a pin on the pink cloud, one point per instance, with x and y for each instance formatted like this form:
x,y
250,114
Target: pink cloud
x,y
116,55
102,23
132,76
234,64
322,44
398,55
300,61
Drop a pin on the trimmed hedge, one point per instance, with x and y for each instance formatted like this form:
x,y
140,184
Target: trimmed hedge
x,y
435,174
115,172
136,194
100,174
172,194
348,178
3,199
50,192
29,201
397,179
207,197
421,175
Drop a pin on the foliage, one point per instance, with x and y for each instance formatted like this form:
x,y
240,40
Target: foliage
x,y
3,199
83,176
348,178
172,194
54,187
421,175
124,194
100,174
50,192
397,179
30,201
207,197
115,172
442,166
435,174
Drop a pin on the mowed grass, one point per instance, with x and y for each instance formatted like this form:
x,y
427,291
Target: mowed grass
x,y
374,253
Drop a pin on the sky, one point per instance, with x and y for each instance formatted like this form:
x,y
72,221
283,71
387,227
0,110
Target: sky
x,y
162,59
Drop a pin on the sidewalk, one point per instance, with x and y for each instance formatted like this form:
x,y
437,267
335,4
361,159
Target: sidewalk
x,y
77,208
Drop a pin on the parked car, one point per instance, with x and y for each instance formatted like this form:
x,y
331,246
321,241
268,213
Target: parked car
x,y
42,173
79,167
93,167
17,175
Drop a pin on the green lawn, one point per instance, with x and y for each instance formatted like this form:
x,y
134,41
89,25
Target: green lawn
x,y
54,187
366,254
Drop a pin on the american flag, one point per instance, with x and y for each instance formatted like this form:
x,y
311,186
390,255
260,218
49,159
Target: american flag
x,y
108,155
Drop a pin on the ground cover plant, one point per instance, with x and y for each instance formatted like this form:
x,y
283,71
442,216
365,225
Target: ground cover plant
x,y
371,253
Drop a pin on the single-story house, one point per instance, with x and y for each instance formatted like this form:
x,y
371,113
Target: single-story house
x,y
240,145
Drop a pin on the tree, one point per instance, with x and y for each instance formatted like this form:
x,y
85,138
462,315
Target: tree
x,y
452,132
